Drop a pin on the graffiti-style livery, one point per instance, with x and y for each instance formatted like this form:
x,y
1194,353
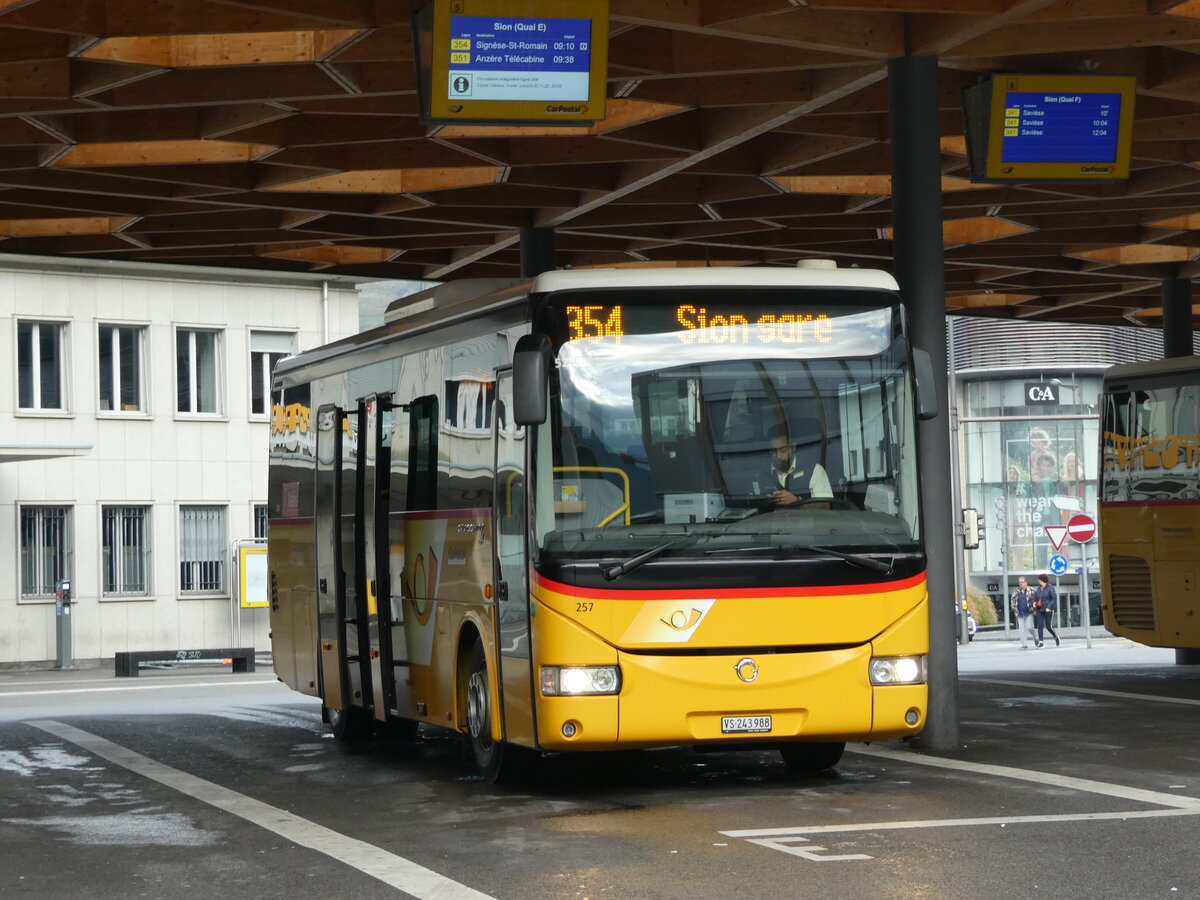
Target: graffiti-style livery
x,y
1150,504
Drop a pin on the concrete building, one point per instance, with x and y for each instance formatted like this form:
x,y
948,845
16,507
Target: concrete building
x,y
134,419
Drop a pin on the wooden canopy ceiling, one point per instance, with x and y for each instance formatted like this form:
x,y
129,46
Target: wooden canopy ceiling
x,y
284,134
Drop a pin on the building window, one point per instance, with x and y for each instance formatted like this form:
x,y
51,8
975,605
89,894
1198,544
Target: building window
x,y
260,521
266,349
40,366
120,375
196,381
45,549
126,561
202,549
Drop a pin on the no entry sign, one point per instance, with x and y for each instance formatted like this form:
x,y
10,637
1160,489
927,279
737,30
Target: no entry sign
x,y
1081,528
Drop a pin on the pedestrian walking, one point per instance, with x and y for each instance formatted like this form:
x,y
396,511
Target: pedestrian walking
x,y
1045,599
1021,604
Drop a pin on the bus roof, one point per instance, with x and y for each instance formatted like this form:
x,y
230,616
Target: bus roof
x,y
716,276
1175,365
474,299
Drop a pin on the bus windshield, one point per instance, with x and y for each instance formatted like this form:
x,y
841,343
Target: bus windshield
x,y
766,423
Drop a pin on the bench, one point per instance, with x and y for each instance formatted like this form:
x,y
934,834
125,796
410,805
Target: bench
x,y
129,661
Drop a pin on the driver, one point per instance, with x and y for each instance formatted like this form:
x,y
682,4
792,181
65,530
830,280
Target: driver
x,y
787,483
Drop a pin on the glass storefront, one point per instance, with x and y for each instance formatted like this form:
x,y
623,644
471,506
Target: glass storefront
x,y
1029,447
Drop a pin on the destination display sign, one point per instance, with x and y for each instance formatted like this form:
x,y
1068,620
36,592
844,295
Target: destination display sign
x,y
494,58
745,324
1060,127
509,62
698,324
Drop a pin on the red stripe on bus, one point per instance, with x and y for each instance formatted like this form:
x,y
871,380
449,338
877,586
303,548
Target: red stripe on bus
x,y
835,590
1106,504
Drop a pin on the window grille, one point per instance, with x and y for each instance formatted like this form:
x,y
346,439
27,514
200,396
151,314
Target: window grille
x,y
202,549
45,549
126,550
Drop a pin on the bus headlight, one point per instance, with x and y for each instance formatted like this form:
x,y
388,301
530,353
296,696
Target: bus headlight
x,y
898,670
573,681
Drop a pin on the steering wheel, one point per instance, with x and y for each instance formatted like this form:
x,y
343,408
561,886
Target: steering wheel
x,y
834,503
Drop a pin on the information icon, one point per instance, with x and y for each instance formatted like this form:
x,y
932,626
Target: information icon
x,y
1059,564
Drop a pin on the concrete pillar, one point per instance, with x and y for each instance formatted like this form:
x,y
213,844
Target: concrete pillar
x,y
537,251
1177,317
919,259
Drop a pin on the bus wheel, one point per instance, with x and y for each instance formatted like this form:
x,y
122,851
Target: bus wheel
x,y
497,762
810,759
350,723
1187,656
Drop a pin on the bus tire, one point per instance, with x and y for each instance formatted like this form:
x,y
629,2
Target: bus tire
x,y
1187,656
809,759
350,723
496,761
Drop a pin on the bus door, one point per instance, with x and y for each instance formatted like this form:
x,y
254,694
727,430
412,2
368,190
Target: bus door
x,y
331,567
343,608
373,481
511,569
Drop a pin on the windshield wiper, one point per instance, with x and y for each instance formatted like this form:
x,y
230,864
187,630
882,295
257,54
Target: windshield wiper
x,y
612,573
855,559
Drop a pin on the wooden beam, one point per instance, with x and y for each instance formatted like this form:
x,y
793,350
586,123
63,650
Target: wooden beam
x,y
143,153
41,227
208,50
394,181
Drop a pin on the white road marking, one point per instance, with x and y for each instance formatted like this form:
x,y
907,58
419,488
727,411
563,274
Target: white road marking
x,y
393,870
1038,776
1041,686
786,839
953,823
138,687
811,852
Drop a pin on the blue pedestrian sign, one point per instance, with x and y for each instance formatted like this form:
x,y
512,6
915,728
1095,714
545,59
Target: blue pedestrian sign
x,y
1058,564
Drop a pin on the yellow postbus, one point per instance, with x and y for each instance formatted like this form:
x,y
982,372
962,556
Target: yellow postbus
x,y
611,508
1150,504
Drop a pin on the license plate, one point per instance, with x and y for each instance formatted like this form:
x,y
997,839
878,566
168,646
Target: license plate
x,y
745,724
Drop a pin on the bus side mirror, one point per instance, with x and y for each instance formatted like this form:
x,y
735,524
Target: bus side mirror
x,y
927,405
532,360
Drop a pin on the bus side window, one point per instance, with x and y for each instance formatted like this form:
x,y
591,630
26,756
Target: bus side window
x,y
422,453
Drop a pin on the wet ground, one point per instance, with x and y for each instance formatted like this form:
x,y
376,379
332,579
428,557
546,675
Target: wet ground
x,y
1078,776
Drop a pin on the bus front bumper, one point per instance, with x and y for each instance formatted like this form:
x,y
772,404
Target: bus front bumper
x,y
824,695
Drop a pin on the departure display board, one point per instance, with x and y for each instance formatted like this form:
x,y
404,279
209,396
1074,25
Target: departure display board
x,y
1057,127
508,62
494,58
1050,127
